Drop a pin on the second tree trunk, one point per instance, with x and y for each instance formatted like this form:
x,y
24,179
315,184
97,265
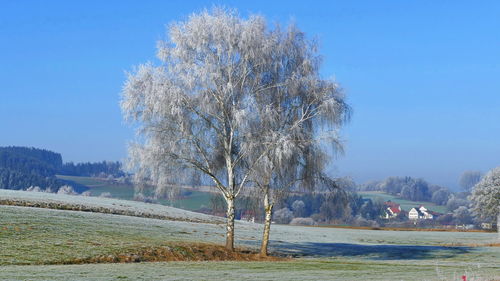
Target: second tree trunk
x,y
267,225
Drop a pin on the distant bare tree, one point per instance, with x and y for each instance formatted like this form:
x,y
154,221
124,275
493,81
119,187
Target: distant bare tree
x,y
283,216
462,215
454,202
468,179
35,189
298,208
441,196
485,197
217,203
218,103
302,221
66,189
86,193
105,195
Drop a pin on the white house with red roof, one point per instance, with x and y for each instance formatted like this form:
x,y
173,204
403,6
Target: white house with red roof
x,y
392,210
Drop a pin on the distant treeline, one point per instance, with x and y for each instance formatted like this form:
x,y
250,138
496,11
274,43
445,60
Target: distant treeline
x,y
30,160
409,188
98,169
22,167
341,204
336,206
11,179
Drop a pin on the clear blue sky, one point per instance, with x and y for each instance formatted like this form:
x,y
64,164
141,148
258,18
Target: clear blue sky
x,y
423,77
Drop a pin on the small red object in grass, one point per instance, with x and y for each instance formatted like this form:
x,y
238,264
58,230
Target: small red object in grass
x,y
464,278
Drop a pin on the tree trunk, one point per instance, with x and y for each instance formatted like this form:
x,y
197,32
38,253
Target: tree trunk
x,y
498,223
230,224
267,225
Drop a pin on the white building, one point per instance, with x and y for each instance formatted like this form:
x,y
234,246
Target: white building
x,y
421,212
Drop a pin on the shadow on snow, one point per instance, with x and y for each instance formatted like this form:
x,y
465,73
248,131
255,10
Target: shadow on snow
x,y
386,252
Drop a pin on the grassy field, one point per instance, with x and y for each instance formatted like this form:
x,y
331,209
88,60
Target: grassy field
x,y
88,181
302,269
101,205
405,204
195,201
44,236
33,238
199,199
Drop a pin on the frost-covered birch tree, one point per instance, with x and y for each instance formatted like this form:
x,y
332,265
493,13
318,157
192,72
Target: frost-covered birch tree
x,y
296,119
485,197
236,100
196,108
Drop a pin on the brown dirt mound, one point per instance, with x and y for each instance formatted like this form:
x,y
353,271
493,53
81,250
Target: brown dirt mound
x,y
178,252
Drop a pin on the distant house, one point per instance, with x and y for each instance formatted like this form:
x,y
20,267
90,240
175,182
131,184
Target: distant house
x,y
421,213
392,210
487,225
248,216
465,226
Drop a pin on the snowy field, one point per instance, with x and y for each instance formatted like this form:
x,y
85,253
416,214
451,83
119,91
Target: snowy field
x,y
106,205
310,269
30,238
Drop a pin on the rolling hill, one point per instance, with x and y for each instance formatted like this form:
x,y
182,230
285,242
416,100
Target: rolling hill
x,y
38,237
405,204
195,200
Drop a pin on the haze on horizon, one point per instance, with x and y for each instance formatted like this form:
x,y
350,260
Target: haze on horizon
x,y
422,77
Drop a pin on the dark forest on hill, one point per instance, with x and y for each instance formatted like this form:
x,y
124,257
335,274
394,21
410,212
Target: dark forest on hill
x,y
24,167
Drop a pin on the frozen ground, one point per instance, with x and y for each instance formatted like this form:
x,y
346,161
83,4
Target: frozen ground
x,y
107,205
311,269
30,236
